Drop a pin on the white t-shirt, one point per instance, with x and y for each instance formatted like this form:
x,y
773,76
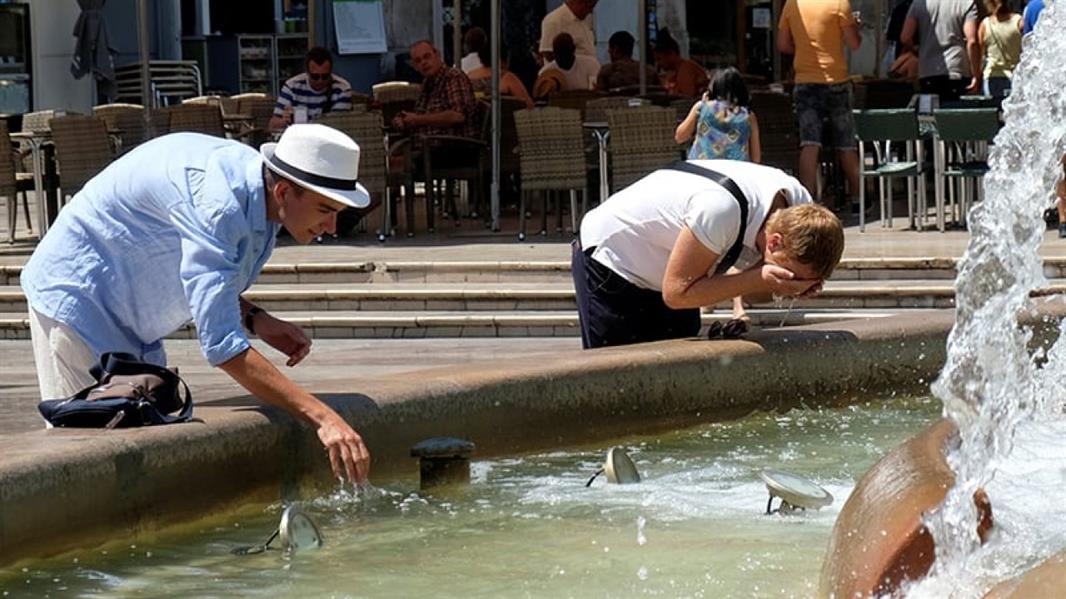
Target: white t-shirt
x,y
580,76
470,62
562,20
634,231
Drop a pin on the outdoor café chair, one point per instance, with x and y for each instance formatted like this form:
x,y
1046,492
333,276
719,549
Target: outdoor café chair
x,y
12,183
260,107
642,140
83,149
195,117
879,129
551,154
367,129
960,153
127,119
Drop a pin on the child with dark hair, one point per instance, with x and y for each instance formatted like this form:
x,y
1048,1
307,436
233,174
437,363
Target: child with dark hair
x,y
723,125
724,128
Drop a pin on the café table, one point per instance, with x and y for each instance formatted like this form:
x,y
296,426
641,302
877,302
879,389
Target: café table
x,y
39,143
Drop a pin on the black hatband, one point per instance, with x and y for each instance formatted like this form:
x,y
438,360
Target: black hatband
x,y
313,179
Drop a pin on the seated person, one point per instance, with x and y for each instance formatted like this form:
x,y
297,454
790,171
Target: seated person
x,y
623,71
318,90
510,84
474,40
447,105
680,76
658,250
579,70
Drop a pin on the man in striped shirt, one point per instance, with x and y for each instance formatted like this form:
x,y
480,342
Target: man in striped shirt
x,y
318,90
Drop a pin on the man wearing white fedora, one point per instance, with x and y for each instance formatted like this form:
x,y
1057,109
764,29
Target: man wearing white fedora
x,y
176,230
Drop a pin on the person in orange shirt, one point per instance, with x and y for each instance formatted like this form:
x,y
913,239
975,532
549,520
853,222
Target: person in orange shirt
x,y
681,76
815,31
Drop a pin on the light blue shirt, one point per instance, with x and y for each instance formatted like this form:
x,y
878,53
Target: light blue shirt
x,y
173,231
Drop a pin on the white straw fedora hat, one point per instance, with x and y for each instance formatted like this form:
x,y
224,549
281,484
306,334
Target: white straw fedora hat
x,y
321,159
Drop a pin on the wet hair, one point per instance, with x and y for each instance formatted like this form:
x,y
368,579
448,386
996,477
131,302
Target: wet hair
x,y
811,235
727,85
319,55
564,50
623,41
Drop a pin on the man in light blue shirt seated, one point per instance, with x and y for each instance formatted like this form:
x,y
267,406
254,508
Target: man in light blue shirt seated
x,y
175,231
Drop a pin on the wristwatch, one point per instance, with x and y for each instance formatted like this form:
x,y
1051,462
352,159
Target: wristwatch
x,y
249,317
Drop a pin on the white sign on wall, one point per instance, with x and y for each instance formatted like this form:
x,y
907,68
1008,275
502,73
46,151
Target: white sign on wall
x,y
360,26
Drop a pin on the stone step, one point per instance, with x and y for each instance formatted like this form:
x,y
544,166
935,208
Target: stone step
x,y
358,324
523,297
853,269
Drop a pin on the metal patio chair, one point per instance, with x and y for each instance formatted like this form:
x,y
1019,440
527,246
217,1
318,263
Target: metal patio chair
x,y
879,129
961,154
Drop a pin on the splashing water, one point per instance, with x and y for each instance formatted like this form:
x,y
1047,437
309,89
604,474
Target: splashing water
x,y
991,385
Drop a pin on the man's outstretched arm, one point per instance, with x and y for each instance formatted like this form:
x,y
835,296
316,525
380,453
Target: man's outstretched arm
x,y
348,455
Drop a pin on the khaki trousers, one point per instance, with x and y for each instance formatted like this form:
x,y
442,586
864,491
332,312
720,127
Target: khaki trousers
x,y
63,360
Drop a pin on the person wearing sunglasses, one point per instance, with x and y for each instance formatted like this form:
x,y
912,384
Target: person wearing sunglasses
x,y
313,93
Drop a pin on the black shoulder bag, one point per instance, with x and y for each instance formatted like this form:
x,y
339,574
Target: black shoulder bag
x,y
731,256
127,393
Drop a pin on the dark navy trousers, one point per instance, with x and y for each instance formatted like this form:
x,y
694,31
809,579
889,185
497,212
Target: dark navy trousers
x,y
614,311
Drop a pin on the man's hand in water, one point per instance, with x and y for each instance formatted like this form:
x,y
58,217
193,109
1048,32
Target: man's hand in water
x,y
347,454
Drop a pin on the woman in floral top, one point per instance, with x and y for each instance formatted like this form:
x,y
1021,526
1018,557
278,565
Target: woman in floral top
x,y
723,125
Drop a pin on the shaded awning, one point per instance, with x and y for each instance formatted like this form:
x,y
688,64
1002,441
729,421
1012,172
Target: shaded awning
x,y
92,51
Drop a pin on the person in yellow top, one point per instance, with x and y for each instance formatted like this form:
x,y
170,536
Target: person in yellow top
x,y
815,31
1000,40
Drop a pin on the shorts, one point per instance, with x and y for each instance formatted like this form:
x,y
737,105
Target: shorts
x,y
825,108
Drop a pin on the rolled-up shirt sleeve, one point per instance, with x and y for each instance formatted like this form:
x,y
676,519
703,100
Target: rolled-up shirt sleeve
x,y
214,232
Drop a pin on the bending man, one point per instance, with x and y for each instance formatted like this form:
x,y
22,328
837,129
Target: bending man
x,y
655,252
176,230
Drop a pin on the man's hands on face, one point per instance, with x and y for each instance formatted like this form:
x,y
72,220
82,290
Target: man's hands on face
x,y
285,337
783,282
348,455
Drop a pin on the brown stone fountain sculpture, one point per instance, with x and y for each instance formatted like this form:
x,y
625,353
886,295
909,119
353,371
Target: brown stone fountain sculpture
x,y
879,541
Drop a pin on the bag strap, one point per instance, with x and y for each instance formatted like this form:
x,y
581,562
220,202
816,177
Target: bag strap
x,y
119,363
733,253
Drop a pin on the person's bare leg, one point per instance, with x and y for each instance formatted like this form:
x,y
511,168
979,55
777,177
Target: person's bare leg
x,y
849,161
808,168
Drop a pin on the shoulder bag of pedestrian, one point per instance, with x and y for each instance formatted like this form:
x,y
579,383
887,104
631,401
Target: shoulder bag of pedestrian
x,y
127,393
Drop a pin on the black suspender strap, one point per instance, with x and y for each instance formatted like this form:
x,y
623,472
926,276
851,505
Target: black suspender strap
x,y
731,256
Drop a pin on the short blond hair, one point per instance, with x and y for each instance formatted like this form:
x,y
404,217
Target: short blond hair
x,y
811,235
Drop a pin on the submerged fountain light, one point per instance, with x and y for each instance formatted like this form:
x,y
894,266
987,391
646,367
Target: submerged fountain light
x,y
796,492
618,467
296,530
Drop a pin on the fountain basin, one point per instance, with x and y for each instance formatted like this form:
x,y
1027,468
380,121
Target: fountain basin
x,y
64,489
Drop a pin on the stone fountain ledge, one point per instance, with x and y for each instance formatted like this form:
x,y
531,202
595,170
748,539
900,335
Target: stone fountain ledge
x,y
65,489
